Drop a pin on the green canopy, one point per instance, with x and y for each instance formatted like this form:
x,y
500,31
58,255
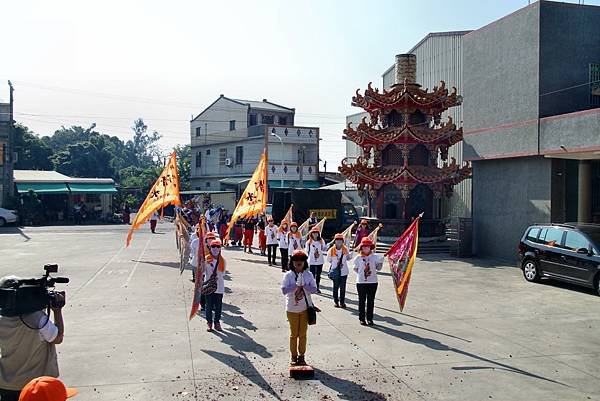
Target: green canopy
x,y
85,188
43,188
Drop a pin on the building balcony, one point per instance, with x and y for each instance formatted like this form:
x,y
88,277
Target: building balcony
x,y
288,133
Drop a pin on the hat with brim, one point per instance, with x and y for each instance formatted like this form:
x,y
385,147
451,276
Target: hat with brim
x,y
339,236
46,388
367,242
299,255
315,230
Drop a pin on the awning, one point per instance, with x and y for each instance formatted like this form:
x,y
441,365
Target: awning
x,y
43,188
293,184
90,188
234,180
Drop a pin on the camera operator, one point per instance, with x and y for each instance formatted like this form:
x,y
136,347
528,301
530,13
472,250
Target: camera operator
x,y
27,345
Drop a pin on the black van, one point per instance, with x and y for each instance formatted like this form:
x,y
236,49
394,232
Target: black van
x,y
567,252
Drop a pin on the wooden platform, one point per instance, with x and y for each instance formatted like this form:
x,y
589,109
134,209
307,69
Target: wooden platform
x,y
304,372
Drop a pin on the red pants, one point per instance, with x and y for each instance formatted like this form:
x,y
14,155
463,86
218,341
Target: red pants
x,y
248,237
262,240
153,225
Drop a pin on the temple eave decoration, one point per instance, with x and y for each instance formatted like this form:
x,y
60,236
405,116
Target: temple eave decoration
x,y
407,95
361,174
367,134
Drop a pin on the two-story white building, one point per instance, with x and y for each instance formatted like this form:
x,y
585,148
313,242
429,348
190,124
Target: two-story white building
x,y
229,136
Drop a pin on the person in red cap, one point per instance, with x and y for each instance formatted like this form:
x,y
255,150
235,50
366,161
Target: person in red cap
x,y
271,233
366,265
338,257
284,245
46,388
361,232
294,238
316,249
297,285
214,271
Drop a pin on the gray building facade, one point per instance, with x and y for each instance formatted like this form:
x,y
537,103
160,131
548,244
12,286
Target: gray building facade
x,y
228,139
532,122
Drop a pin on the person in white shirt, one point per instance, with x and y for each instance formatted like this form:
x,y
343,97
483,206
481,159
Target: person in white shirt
x,y
214,269
271,233
338,257
316,249
297,285
366,265
283,242
294,238
153,222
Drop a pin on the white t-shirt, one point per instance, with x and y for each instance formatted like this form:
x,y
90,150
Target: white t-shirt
x,y
316,251
295,301
208,271
333,260
295,242
366,268
49,332
271,233
283,240
154,216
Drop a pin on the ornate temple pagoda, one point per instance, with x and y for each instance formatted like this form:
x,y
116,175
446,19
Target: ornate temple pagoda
x,y
403,144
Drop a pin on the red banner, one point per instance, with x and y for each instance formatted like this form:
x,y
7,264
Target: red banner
x,y
401,257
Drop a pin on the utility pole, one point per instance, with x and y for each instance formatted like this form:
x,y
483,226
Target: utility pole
x,y
9,160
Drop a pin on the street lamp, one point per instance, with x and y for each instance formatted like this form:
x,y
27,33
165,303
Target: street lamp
x,y
280,141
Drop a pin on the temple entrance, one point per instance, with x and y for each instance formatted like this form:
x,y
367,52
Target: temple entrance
x,y
421,201
393,204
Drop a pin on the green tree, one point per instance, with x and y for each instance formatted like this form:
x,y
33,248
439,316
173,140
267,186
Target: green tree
x,y
33,153
184,156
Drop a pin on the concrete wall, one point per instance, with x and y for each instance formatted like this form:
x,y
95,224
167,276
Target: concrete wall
x,y
501,86
575,131
509,195
352,149
569,42
215,121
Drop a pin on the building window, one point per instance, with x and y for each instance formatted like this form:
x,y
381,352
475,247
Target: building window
x,y
268,119
207,184
199,158
231,125
595,85
252,120
222,156
239,155
283,120
207,152
198,131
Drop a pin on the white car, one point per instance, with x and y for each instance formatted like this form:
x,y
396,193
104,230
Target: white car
x,y
7,216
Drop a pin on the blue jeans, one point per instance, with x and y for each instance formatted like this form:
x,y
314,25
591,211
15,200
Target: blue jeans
x,y
213,303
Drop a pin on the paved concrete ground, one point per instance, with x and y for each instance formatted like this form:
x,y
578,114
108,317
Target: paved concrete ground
x,y
470,331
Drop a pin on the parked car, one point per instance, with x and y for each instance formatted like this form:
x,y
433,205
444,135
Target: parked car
x,y
7,216
568,252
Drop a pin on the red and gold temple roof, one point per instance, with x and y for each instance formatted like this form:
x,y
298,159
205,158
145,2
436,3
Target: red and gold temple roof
x,y
362,174
407,95
366,134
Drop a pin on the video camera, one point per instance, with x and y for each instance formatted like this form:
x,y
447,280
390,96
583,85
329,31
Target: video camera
x,y
23,296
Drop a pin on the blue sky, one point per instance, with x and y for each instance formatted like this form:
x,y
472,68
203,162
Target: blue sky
x,y
76,62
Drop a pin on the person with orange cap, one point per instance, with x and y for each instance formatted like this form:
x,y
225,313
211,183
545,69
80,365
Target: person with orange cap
x,y
294,238
46,388
297,285
361,232
366,265
284,245
213,285
338,257
271,233
316,249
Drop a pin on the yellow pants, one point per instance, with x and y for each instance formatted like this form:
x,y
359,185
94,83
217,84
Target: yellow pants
x,y
298,328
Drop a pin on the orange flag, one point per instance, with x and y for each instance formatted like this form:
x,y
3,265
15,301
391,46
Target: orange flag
x,y
254,198
289,216
165,191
